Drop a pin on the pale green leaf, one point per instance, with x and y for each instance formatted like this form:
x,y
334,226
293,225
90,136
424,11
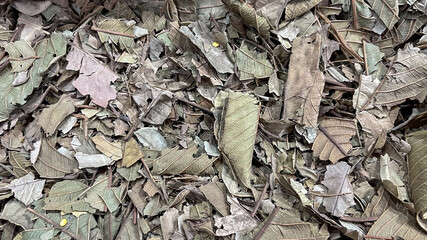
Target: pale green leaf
x,y
118,32
19,163
387,10
80,225
130,173
252,64
93,192
15,212
21,55
373,60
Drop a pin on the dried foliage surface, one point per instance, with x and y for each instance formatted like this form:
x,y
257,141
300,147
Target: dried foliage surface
x,y
213,119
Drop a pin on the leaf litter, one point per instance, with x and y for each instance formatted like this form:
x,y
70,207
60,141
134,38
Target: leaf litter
x,y
184,119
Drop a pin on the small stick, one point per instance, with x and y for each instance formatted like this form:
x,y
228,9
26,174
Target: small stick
x,y
359,219
52,223
267,223
260,199
194,105
85,123
24,59
95,28
345,89
375,237
86,106
353,6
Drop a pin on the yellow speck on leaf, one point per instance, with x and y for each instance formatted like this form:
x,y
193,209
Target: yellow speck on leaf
x,y
63,222
215,44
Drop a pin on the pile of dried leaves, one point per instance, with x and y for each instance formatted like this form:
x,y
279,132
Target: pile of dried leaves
x,y
210,119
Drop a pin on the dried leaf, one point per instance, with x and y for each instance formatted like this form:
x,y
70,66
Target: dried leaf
x,y
333,142
51,117
83,225
19,163
92,193
287,224
296,8
16,213
52,164
271,9
26,189
417,175
49,51
249,16
391,180
92,160
238,221
95,79
373,60
150,137
396,223
175,161
407,79
216,194
118,32
130,173
304,87
22,53
364,92
65,196
30,8
252,64
339,189
200,35
237,132
387,10
111,149
159,109
132,153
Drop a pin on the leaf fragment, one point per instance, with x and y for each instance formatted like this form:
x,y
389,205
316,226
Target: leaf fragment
x,y
111,149
252,64
132,153
387,10
333,141
27,189
51,117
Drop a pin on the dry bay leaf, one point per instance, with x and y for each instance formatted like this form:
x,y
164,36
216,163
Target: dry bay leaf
x,y
51,117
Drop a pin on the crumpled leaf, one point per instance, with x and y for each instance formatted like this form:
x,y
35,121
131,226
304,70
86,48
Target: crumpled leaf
x,y
333,141
52,164
92,160
387,10
373,60
304,87
49,51
417,174
296,8
339,189
391,180
21,55
407,79
92,193
252,64
200,35
207,7
271,9
132,153
236,133
33,28
352,36
65,196
26,189
287,224
118,32
159,109
83,225
238,221
249,16
216,194
364,92
150,137
16,213
112,197
130,173
30,8
111,149
175,161
21,166
51,117
95,79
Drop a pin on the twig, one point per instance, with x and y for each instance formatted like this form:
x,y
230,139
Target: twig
x,y
353,7
52,223
194,105
332,139
359,219
150,178
375,237
85,123
86,106
267,223
24,59
95,28
345,89
258,203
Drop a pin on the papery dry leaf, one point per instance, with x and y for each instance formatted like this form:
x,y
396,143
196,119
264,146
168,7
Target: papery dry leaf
x,y
334,140
373,60
66,196
95,79
391,180
27,189
216,194
30,8
249,16
111,149
19,163
407,79
296,8
236,132
271,9
51,117
119,33
238,221
387,10
21,55
252,64
304,87
132,153
339,189
417,174
175,161
52,164
363,95
159,109
92,160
